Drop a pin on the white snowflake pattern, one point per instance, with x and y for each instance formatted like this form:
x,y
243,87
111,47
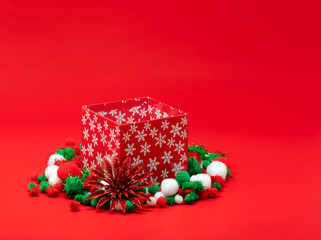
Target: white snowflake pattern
x,y
137,161
99,159
158,114
183,157
184,121
83,150
85,132
145,148
108,157
160,140
165,114
165,125
135,110
184,134
117,144
84,119
179,147
120,117
99,127
143,112
147,126
126,137
167,157
102,113
85,163
90,150
152,164
103,138
133,128
106,125
109,145
87,114
130,149
176,130
95,139
92,125
177,168
153,132
117,131
93,164
164,173
130,119
95,118
150,109
141,135
170,142
154,180
112,135
113,112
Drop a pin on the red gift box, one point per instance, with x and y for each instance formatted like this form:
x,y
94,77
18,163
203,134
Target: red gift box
x,y
148,131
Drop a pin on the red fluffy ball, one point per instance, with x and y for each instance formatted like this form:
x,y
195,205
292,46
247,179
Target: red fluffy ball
x,y
52,192
59,187
161,202
77,151
203,195
78,161
34,191
212,192
70,142
34,176
68,168
74,206
195,155
217,179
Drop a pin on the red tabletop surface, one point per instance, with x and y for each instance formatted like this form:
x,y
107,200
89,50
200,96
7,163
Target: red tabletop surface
x,y
247,73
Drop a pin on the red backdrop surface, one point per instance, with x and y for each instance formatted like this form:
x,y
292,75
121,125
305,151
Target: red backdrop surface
x,y
247,72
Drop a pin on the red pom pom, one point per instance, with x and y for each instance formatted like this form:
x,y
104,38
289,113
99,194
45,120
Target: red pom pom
x,y
180,191
52,192
34,191
74,206
212,192
204,170
77,151
161,202
68,168
196,156
217,179
202,195
59,187
34,176
70,142
78,161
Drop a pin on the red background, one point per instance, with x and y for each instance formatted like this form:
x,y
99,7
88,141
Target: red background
x,y
247,72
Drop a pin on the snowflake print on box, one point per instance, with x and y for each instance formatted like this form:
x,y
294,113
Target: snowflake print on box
x,y
142,128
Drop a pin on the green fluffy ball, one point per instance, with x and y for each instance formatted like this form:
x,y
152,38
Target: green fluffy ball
x,y
31,185
129,206
198,149
67,153
193,166
44,182
85,174
94,202
228,173
187,185
44,187
170,200
143,190
153,189
197,186
41,178
73,186
79,197
188,199
205,164
182,177
217,185
85,200
194,196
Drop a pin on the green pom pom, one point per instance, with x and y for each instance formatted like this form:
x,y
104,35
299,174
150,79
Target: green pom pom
x,y
31,185
85,200
170,200
182,177
187,185
129,206
188,199
217,185
205,164
143,190
194,196
94,202
67,153
44,182
44,187
193,166
41,178
85,174
197,186
212,156
198,149
79,197
228,173
153,189
73,186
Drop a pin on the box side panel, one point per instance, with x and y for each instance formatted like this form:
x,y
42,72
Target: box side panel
x,y
160,145
100,138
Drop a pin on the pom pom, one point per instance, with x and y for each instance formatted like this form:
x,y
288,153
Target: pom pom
x,y
73,186
199,150
54,179
78,161
217,185
188,199
212,192
70,142
31,185
217,168
85,200
193,166
41,178
129,206
228,173
34,176
217,179
67,153
151,202
79,198
196,156
205,179
161,202
59,187
44,186
182,177
169,187
197,186
77,151
34,191
54,158
68,169
74,206
52,192
203,194
205,164
94,202
170,200
153,189
178,199
51,170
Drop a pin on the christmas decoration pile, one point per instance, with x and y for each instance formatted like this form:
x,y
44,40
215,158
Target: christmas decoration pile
x,y
121,185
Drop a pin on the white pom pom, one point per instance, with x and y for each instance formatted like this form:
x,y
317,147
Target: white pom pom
x,y
205,179
158,195
55,157
54,179
178,199
169,187
151,202
217,168
51,170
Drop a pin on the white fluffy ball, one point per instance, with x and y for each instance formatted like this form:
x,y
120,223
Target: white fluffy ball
x,y
151,202
169,187
51,170
54,179
55,157
158,195
178,199
217,168
204,178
